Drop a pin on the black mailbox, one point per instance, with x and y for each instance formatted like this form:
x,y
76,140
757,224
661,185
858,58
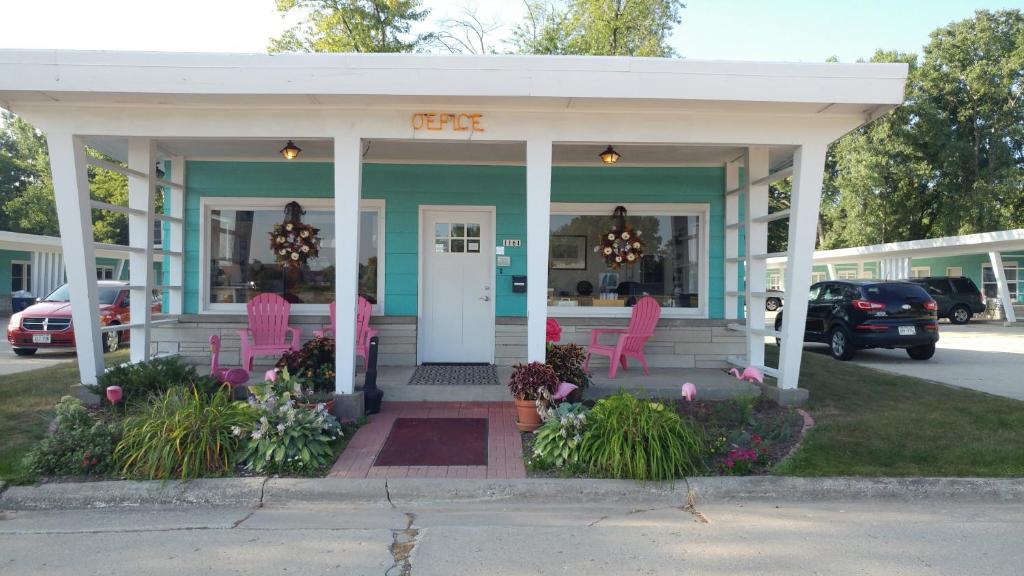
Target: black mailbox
x,y
519,284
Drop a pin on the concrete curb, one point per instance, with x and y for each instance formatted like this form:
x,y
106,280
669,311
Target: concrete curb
x,y
252,492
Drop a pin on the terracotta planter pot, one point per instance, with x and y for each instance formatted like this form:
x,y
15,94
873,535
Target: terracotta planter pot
x,y
329,405
527,418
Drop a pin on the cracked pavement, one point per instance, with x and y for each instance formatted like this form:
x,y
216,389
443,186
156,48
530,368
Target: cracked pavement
x,y
503,537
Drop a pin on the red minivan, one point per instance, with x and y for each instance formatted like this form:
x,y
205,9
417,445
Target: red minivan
x,y
47,324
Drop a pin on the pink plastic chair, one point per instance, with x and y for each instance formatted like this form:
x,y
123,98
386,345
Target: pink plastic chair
x,y
363,330
234,376
631,340
268,329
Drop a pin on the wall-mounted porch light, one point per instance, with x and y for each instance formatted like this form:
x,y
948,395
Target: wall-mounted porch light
x,y
290,151
159,171
610,156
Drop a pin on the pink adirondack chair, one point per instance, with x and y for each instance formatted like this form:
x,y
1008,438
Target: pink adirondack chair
x,y
630,343
268,329
363,330
233,376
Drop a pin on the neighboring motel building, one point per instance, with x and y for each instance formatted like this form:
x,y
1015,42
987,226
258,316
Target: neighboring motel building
x,y
32,266
993,260
464,194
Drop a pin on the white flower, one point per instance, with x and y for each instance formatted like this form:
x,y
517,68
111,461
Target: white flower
x,y
625,235
288,227
618,258
295,255
607,250
576,438
304,233
305,248
280,428
256,434
611,236
282,251
236,430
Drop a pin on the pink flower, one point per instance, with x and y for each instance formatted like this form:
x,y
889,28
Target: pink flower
x,y
554,330
271,375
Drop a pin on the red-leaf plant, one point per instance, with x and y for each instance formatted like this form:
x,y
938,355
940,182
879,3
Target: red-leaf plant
x,y
529,379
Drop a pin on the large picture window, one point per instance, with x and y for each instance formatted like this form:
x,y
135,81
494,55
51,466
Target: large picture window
x,y
673,269
240,264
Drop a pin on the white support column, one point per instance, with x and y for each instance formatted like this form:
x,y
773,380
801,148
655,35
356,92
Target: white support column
x,y
756,237
347,190
732,241
538,229
119,270
996,259
74,213
37,267
176,242
141,157
808,170
831,271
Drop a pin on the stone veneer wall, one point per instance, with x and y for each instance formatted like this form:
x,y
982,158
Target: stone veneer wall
x,y
677,343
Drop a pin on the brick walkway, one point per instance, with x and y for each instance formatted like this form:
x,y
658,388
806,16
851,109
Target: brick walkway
x,y
504,445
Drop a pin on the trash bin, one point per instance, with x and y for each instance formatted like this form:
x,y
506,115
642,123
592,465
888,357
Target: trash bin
x,y
21,300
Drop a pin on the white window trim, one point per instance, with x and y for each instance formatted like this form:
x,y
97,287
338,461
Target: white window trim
x,y
1006,264
701,211
210,203
951,274
106,267
26,274
915,269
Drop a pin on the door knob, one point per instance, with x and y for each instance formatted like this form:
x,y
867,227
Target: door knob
x,y
485,298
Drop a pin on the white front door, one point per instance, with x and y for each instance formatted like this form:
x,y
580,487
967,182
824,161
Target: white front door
x,y
456,321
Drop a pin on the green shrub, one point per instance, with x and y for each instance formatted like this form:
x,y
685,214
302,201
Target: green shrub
x,y
183,434
142,380
558,441
80,444
286,438
567,361
631,438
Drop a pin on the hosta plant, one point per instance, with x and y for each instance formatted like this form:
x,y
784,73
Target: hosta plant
x,y
286,438
628,437
557,442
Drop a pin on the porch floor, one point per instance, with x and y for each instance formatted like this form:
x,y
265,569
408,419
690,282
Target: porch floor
x,y
712,384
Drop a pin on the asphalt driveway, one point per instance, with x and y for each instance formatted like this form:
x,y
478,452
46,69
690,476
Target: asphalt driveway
x,y
12,364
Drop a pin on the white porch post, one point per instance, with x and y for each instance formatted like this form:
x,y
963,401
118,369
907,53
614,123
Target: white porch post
x,y
1004,290
756,237
831,271
74,213
538,224
141,157
808,170
176,242
732,240
347,189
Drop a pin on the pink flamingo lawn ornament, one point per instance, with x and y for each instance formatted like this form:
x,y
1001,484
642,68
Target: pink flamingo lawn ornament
x,y
689,391
114,394
563,390
750,374
234,376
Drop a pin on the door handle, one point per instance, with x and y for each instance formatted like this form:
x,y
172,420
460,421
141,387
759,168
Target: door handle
x,y
485,298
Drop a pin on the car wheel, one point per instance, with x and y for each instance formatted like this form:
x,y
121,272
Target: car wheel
x,y
840,343
25,351
922,352
959,315
111,340
772,304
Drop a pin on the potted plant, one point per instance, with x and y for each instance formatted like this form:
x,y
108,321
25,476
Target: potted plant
x,y
528,383
567,362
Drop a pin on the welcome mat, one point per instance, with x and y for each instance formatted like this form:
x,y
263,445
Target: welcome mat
x,y
435,442
455,374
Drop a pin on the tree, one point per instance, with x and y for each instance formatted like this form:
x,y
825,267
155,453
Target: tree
x,y
599,27
351,26
467,33
22,154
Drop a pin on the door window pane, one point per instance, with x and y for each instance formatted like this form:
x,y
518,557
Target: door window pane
x,y
669,270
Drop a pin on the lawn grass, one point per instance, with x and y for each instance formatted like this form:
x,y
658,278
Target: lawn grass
x,y
27,407
873,423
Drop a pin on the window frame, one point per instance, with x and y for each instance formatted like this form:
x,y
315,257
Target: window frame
x,y
1014,292
700,210
104,268
914,270
209,203
26,275
960,272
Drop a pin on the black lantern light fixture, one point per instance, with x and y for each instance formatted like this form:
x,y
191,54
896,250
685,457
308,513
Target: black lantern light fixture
x,y
610,156
160,171
290,151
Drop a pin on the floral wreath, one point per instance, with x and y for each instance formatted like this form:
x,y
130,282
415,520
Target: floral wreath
x,y
292,241
620,246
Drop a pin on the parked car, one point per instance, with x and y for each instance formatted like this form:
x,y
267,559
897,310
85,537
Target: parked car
x,y
47,323
850,315
958,297
773,300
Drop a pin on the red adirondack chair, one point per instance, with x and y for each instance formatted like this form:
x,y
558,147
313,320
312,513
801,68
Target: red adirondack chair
x,y
630,343
268,329
363,330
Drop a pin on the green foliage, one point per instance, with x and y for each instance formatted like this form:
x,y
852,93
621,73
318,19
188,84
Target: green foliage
x,y
528,380
142,380
644,440
183,434
351,26
599,27
557,443
286,438
313,363
80,444
567,362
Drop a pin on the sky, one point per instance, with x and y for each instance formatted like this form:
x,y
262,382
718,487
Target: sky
x,y
782,30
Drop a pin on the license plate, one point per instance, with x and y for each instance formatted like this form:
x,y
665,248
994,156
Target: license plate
x,y
907,330
40,338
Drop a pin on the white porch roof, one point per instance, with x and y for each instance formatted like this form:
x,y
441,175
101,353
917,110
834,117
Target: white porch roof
x,y
999,241
39,243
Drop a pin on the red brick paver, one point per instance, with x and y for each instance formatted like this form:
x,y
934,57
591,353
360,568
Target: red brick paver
x,y
504,445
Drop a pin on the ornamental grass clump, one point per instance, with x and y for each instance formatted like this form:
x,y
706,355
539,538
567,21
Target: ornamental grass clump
x,y
286,438
183,434
627,437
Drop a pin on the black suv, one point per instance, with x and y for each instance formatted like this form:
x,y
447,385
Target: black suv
x,y
852,314
958,297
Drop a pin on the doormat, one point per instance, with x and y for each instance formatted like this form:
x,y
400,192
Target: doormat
x,y
455,374
435,442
